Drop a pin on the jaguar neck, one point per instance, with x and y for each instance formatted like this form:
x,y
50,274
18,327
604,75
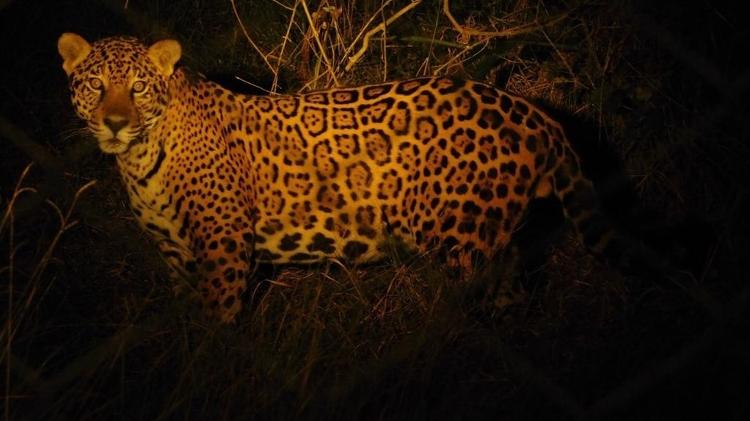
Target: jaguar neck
x,y
142,161
140,164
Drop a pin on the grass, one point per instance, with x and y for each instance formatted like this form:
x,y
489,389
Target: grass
x,y
91,329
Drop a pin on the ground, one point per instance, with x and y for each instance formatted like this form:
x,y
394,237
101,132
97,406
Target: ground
x,y
651,92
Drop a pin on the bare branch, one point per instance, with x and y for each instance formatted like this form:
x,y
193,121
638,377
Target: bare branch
x,y
380,28
506,33
275,83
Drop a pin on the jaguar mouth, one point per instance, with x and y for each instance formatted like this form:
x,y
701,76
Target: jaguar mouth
x,y
113,145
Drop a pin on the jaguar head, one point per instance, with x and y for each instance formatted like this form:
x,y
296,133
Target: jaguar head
x,y
118,86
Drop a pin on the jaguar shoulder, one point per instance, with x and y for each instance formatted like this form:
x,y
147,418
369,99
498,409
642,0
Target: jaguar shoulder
x,y
223,180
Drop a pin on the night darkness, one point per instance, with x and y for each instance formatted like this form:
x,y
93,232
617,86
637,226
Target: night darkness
x,y
654,98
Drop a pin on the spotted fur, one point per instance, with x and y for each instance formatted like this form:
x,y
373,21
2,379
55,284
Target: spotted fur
x,y
223,180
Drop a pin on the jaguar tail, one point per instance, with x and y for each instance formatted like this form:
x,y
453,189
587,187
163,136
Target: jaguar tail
x,y
594,229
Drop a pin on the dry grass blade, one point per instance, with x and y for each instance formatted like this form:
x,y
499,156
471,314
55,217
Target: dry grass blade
x,y
8,329
289,26
17,191
65,224
14,314
250,40
403,339
256,86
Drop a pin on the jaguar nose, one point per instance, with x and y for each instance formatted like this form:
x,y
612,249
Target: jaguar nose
x,y
115,123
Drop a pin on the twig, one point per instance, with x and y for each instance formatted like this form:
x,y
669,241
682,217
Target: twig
x,y
561,56
310,83
362,31
250,40
485,36
284,6
506,33
320,44
426,40
456,57
380,28
257,86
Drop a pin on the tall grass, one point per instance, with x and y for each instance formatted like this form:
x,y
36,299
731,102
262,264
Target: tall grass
x,y
91,329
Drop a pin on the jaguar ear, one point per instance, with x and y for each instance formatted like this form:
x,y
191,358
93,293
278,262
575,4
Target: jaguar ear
x,y
73,49
165,54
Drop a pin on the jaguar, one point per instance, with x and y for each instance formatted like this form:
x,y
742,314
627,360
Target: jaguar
x,y
225,181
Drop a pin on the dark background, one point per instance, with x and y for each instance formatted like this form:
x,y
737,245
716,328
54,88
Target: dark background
x,y
654,95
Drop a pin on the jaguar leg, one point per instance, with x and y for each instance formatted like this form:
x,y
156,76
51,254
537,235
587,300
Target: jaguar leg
x,y
224,268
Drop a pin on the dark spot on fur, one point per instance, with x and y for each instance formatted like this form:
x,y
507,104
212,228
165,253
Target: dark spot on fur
x,y
354,249
322,243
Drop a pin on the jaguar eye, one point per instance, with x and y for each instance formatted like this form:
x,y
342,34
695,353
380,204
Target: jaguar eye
x,y
96,83
139,86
